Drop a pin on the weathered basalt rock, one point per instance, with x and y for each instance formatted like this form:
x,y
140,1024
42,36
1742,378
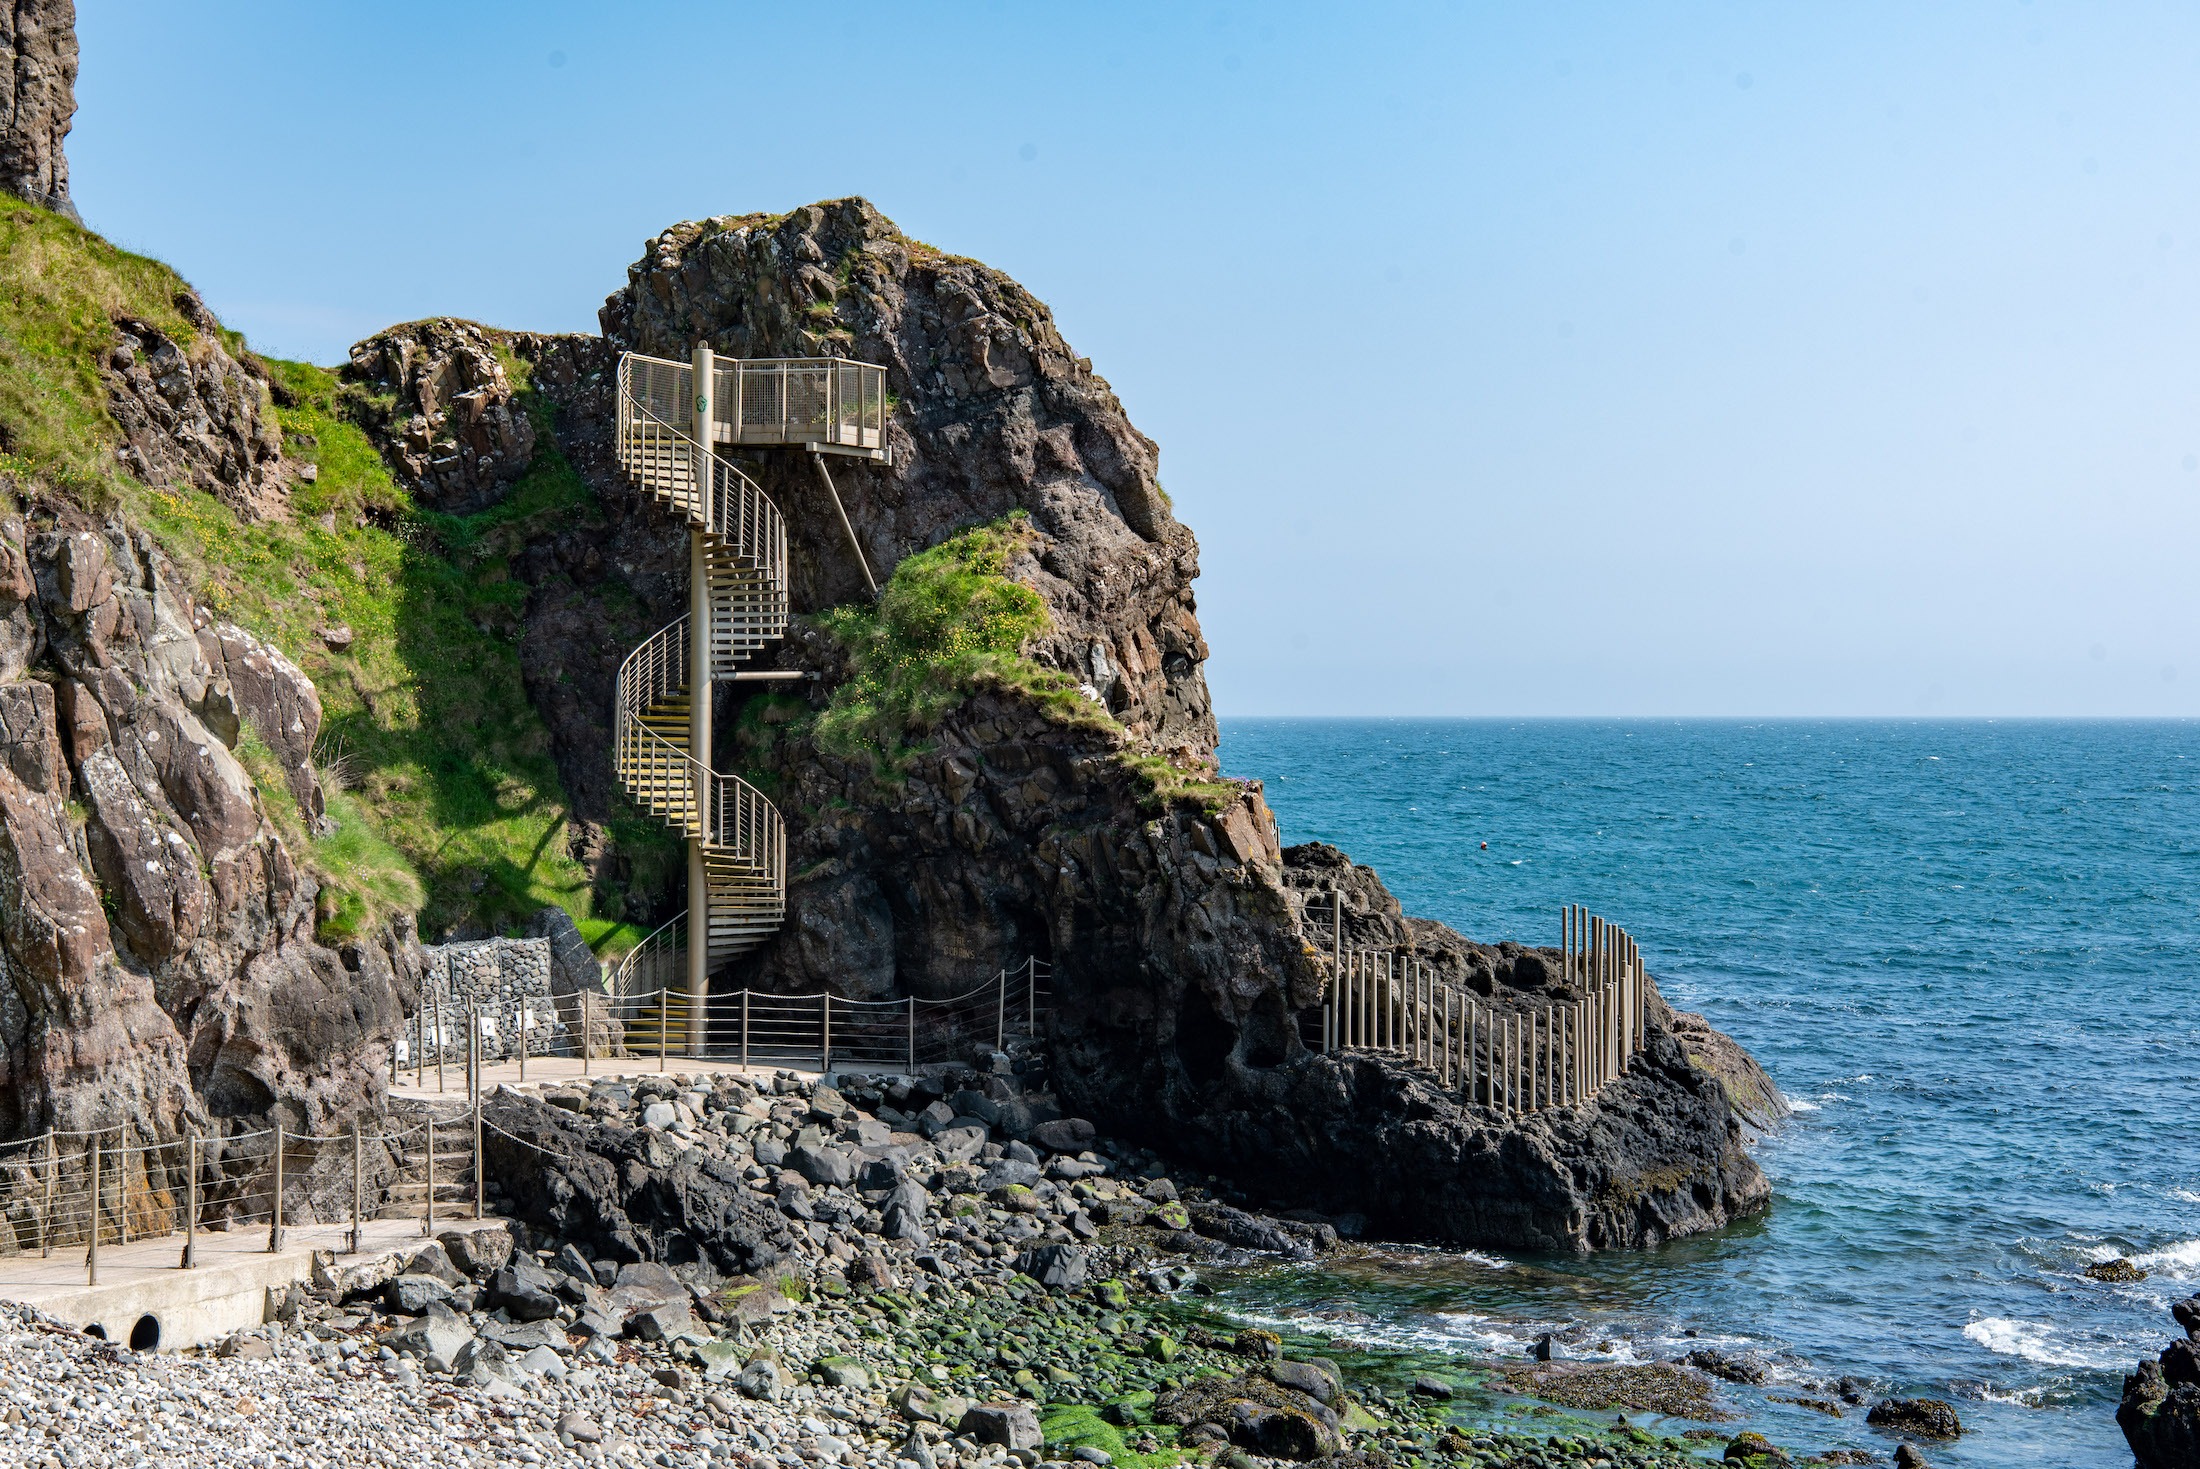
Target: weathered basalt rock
x,y
2160,1409
157,936
192,415
37,100
623,1196
994,413
448,416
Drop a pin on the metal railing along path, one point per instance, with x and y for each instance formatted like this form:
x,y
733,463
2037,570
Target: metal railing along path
x,y
1516,1058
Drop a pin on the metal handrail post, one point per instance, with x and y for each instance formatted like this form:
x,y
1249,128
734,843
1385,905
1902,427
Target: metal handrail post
x,y
526,1013
191,1205
912,1035
427,1226
825,1043
275,1226
45,1213
1031,992
1000,1013
357,1191
481,1164
664,1020
91,1257
440,1039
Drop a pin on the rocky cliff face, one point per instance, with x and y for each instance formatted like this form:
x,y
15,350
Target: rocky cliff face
x,y
993,412
37,99
156,934
192,415
456,436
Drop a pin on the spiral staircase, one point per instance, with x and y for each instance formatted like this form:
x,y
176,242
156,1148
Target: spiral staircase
x,y
737,842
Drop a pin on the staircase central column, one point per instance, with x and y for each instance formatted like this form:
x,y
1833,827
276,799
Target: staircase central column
x,y
699,700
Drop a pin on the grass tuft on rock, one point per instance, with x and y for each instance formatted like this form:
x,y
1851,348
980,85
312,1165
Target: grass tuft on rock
x,y
949,621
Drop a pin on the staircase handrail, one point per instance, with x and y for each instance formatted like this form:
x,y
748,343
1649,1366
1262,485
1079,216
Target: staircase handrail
x,y
715,828
734,508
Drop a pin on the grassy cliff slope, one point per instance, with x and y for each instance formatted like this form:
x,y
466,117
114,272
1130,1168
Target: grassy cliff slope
x,y
443,792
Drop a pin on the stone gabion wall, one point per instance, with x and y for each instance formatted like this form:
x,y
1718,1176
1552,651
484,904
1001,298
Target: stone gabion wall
x,y
501,980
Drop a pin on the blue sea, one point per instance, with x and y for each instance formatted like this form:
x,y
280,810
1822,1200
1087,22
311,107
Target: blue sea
x,y
1969,952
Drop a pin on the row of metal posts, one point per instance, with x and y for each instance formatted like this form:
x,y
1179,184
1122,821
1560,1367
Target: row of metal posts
x,y
1554,1056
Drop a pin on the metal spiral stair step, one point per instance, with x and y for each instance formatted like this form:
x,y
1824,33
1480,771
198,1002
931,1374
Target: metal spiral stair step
x,y
744,598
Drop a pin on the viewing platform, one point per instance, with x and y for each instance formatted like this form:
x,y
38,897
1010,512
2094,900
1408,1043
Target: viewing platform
x,y
829,404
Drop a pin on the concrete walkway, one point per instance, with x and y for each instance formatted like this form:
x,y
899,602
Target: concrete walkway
x,y
226,1291
568,1069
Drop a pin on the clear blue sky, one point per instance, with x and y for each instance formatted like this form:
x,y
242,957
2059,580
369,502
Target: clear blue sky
x,y
1682,358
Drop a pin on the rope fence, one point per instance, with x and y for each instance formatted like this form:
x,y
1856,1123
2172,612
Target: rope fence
x,y
76,1192
1519,1061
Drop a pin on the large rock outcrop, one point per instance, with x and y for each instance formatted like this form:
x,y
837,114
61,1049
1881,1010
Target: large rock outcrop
x,y
156,934
37,99
447,414
993,413
1185,963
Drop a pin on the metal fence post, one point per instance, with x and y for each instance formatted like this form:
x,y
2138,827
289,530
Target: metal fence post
x,y
744,1030
357,1190
526,1013
588,1041
45,1213
191,1204
825,1043
428,1225
441,1038
912,1035
275,1227
91,1258
1031,992
1000,1015
664,1019
481,1164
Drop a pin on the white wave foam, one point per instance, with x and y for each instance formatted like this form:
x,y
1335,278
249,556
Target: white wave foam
x,y
2184,1195
1797,1104
2180,1261
2031,1341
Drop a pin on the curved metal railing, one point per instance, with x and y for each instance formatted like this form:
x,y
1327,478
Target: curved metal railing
x,y
745,561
